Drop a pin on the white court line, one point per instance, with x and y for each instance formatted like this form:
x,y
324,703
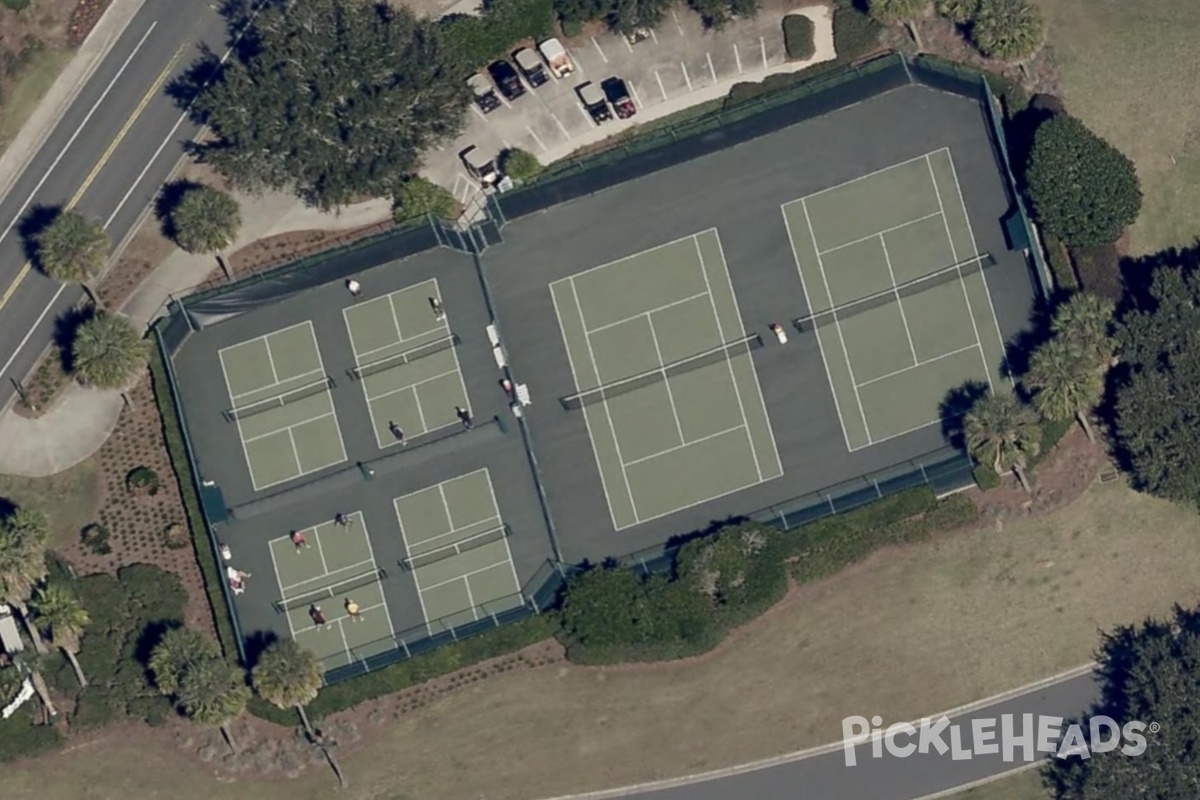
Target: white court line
x,y
450,480
728,361
282,591
837,324
420,410
762,402
891,436
495,505
918,365
238,423
371,552
974,248
712,499
837,406
288,428
441,487
868,237
493,522
666,379
329,396
271,361
689,444
899,302
962,283
295,452
462,577
439,376
587,421
622,259
457,366
221,356
327,574
346,311
871,174
471,598
608,416
320,550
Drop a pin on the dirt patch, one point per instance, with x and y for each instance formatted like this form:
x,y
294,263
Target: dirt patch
x,y
145,251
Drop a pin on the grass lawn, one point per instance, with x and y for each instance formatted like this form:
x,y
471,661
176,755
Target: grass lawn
x,y
1129,70
907,633
28,90
1025,785
68,498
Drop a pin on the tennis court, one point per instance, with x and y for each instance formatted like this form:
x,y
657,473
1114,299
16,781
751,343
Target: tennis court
x,y
280,401
665,379
897,295
334,564
404,358
457,546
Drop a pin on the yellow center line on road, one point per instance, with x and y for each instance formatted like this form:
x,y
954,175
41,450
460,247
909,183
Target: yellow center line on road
x,y
105,156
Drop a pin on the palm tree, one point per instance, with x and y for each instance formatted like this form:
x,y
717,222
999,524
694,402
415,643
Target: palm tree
x,y
60,613
109,353
22,566
288,676
1010,30
205,220
905,11
1085,320
1003,433
73,249
1064,383
214,692
959,12
175,654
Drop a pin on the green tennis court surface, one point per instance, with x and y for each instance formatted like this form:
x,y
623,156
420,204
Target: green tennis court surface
x,y
334,565
891,364
405,360
457,547
688,424
279,395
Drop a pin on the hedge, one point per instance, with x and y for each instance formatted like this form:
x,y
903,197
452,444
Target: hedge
x,y
481,39
205,554
798,33
985,477
1060,264
1099,270
20,738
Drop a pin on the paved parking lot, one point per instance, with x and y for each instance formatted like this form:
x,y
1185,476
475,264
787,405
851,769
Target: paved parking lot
x,y
681,65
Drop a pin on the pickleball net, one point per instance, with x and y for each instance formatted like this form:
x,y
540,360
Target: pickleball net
x,y
407,357
329,592
717,355
418,560
308,390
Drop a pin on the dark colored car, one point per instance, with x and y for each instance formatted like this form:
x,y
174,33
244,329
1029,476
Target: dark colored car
x,y
593,100
484,93
531,67
506,79
617,93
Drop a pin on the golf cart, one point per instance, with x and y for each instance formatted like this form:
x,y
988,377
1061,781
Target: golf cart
x,y
507,79
556,56
618,94
531,67
482,167
484,93
593,100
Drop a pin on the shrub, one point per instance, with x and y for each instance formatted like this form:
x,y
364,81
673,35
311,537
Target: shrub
x,y
1060,264
798,34
16,5
480,39
175,536
855,34
985,477
1099,270
519,164
95,538
740,570
20,738
417,197
142,480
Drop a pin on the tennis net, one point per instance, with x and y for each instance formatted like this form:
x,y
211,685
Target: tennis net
x,y
716,355
451,550
308,390
904,290
407,357
328,592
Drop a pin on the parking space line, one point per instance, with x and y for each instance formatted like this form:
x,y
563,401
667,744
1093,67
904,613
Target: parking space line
x,y
678,27
561,127
737,57
598,50
637,101
475,108
660,84
683,67
628,46
654,35
711,68
586,115
762,43
537,138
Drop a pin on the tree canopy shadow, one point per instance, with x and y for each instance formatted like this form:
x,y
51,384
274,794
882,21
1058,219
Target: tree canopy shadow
x,y
257,643
65,329
36,220
954,407
168,200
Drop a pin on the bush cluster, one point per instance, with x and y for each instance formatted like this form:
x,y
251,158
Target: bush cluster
x,y
1099,269
1060,264
798,34
417,197
478,40
95,538
142,479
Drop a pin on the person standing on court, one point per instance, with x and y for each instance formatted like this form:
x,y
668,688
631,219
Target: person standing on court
x,y
317,615
353,610
354,287
300,540
341,520
397,432
439,313
464,416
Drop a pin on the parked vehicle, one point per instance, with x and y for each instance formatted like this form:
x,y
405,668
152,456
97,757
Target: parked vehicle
x,y
482,167
507,80
556,57
618,94
484,93
531,67
593,100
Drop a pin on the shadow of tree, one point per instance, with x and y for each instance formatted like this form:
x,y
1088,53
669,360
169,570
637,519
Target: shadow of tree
x,y
953,410
31,226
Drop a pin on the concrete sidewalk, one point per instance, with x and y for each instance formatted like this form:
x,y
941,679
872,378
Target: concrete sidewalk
x,y
82,419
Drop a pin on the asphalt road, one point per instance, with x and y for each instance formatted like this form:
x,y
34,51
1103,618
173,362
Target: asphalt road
x,y
111,152
827,777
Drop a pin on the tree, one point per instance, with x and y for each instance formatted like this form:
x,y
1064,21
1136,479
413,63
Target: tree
x,y
1002,433
521,165
959,12
213,692
626,16
416,197
73,249
176,653
288,676
1084,190
61,615
205,220
337,100
1010,30
1149,675
905,11
109,353
1157,420
1065,382
1086,320
22,566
